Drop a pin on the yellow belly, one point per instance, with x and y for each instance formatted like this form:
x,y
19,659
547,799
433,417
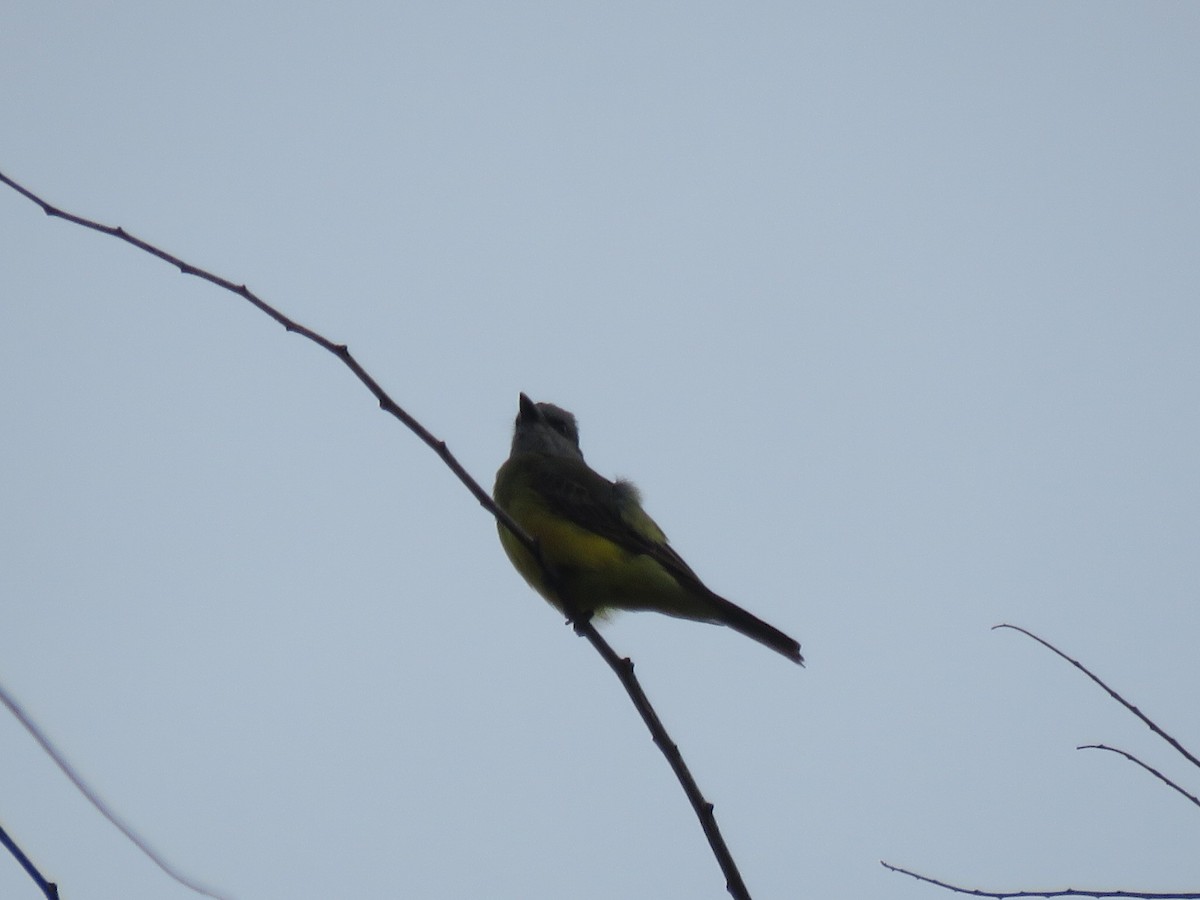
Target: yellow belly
x,y
595,573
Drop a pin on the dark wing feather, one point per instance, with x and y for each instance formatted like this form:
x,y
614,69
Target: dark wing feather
x,y
611,510
606,508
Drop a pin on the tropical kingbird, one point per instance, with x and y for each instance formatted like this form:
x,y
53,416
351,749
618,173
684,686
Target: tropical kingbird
x,y
601,549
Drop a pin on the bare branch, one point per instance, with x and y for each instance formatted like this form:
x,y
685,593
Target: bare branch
x,y
581,622
1066,892
49,888
1077,892
1153,771
93,798
1129,706
341,351
703,809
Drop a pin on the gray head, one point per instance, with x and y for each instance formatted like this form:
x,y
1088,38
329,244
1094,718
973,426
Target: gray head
x,y
546,428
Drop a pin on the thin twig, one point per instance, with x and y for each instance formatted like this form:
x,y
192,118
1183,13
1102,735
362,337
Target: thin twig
x,y
1066,892
341,351
1125,703
581,623
702,807
1078,892
49,888
92,797
1153,771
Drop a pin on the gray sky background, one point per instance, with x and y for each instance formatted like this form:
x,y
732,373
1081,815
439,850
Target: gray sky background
x,y
891,311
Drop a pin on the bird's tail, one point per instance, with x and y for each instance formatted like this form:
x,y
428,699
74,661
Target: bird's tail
x,y
753,627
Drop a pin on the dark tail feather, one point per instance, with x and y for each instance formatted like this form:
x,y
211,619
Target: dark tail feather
x,y
753,627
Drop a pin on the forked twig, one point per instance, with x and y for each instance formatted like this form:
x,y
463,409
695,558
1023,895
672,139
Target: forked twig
x,y
1079,892
1125,703
582,624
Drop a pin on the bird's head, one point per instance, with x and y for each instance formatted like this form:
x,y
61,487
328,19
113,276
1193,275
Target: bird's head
x,y
545,428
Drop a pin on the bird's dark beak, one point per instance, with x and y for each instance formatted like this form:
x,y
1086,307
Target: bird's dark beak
x,y
529,411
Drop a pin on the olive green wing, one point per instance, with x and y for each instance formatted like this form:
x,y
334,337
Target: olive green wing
x,y
610,509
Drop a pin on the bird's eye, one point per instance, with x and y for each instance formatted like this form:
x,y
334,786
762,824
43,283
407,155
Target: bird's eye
x,y
559,426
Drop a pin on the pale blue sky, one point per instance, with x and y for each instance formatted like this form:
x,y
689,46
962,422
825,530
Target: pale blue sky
x,y
891,311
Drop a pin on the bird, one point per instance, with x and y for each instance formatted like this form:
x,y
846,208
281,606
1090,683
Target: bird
x,y
599,550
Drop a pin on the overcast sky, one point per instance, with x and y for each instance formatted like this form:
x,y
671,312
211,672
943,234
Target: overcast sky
x,y
891,311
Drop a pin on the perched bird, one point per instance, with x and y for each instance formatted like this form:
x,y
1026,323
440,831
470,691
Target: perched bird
x,y
602,549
